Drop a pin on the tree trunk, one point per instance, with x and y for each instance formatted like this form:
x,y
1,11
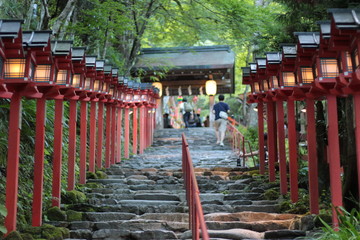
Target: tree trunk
x,y
45,16
62,18
348,153
106,43
321,139
66,23
29,15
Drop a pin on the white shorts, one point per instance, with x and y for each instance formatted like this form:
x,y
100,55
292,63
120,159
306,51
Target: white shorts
x,y
220,125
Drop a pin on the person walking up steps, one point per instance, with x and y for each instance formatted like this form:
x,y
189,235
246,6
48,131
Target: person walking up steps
x,y
187,108
221,109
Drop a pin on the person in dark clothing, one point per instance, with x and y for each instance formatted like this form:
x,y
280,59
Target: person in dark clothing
x,y
220,123
186,111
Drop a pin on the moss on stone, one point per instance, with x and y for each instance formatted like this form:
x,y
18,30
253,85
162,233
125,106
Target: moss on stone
x,y
271,194
73,197
253,172
73,215
27,236
33,231
93,185
51,233
15,235
91,175
81,207
65,232
241,176
55,214
101,175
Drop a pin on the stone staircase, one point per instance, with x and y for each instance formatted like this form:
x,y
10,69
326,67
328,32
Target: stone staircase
x,y
144,198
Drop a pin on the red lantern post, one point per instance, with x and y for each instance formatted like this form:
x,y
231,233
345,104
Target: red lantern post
x,y
78,82
128,97
17,68
62,54
345,40
112,79
247,80
135,117
307,46
39,42
271,116
273,70
287,82
327,72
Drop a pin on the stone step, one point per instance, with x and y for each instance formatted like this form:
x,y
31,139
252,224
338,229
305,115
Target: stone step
x,y
144,198
134,235
243,196
141,209
157,196
139,195
108,216
143,225
168,217
236,233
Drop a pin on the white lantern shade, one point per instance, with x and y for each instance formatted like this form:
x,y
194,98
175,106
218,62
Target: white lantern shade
x,y
210,87
14,68
76,80
42,73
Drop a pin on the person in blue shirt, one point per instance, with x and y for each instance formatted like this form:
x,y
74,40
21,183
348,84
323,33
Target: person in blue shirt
x,y
220,123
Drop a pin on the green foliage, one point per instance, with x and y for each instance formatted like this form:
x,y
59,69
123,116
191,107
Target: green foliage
x,y
27,236
15,235
3,213
299,207
349,226
271,194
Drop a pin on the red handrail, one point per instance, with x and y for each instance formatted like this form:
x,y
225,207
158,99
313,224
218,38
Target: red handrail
x,y
196,215
238,143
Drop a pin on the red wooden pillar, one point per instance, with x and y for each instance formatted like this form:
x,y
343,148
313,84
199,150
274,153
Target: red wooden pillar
x,y
126,132
271,126
83,138
72,144
312,157
57,162
261,136
39,162
100,134
334,158
153,126
12,169
108,136
147,129
113,134
294,195
118,135
135,129
357,133
142,129
281,145
92,136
